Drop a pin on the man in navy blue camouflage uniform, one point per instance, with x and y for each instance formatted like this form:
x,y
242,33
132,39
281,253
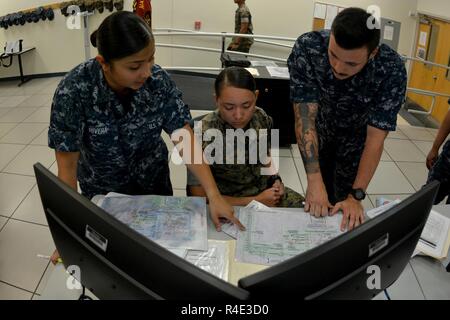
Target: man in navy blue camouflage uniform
x,y
439,164
347,91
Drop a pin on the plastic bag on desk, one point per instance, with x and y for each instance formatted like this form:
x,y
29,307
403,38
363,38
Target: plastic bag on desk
x,y
214,261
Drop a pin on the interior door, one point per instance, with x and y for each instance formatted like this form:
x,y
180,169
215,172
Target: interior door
x,y
421,74
442,83
433,45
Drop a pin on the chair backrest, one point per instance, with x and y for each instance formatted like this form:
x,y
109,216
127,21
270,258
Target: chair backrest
x,y
199,118
191,123
231,60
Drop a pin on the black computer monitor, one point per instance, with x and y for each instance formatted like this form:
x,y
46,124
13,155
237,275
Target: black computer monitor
x,y
116,262
346,267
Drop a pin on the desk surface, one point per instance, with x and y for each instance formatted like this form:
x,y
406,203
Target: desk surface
x,y
424,278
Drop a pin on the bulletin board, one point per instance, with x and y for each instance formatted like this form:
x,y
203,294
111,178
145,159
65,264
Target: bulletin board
x,y
324,14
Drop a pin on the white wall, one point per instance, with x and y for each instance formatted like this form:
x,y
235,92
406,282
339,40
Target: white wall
x,y
439,8
282,18
60,49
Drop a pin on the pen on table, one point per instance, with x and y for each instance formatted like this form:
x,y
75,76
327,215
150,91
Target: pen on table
x,y
59,260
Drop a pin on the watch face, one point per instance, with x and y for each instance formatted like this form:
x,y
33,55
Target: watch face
x,y
359,194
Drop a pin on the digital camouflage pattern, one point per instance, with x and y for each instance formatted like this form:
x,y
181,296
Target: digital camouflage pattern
x,y
121,148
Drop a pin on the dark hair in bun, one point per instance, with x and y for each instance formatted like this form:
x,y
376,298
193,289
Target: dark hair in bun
x,y
120,35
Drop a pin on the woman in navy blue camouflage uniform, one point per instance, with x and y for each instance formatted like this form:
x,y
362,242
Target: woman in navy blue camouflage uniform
x,y
108,114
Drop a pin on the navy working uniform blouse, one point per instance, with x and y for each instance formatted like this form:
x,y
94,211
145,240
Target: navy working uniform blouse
x,y
120,144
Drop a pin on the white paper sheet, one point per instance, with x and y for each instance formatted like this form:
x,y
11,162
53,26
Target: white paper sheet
x,y
417,253
179,252
274,236
263,64
320,11
332,12
381,209
231,229
423,38
434,238
253,71
388,33
280,72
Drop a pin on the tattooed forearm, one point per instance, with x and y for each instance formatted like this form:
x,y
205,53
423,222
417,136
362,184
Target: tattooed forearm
x,y
305,131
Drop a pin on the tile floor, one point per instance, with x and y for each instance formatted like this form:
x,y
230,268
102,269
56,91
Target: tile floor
x,y
24,118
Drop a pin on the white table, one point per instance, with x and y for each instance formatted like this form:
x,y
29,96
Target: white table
x,y
23,79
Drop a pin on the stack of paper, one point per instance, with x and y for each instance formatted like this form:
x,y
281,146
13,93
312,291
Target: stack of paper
x,y
435,238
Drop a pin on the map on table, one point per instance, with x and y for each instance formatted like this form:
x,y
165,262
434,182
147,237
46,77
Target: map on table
x,y
273,236
172,222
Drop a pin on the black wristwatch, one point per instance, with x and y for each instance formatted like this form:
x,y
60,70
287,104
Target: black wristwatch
x,y
271,180
359,194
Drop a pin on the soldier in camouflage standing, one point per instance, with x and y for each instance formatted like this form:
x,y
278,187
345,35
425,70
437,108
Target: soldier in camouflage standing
x,y
439,165
236,96
347,91
242,24
143,8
